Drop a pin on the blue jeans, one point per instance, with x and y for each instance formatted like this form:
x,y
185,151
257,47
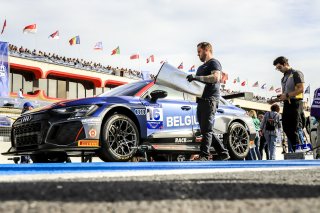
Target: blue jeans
x,y
252,154
301,135
272,142
257,143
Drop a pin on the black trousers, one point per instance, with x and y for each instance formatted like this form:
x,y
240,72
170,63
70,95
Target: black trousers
x,y
205,112
264,146
291,120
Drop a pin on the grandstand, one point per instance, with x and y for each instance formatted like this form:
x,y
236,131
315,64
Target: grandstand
x,y
47,78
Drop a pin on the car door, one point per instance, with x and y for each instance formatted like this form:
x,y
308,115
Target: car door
x,y
169,119
220,121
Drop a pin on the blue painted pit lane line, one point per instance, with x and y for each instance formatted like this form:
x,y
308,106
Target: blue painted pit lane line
x,y
8,169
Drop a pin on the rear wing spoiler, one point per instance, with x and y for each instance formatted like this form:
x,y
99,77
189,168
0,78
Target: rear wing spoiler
x,y
245,95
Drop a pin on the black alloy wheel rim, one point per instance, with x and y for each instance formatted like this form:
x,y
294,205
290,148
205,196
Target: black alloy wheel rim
x,y
122,138
239,139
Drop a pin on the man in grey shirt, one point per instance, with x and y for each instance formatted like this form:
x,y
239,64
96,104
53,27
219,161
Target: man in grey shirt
x,y
292,96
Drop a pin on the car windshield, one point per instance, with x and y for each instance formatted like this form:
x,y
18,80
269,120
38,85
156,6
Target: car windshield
x,y
126,90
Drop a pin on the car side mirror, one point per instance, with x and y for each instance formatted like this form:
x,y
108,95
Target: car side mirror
x,y
156,94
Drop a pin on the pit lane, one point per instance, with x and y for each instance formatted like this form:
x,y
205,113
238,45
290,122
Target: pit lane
x,y
291,186
232,186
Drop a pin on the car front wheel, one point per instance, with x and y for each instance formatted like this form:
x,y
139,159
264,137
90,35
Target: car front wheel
x,y
120,138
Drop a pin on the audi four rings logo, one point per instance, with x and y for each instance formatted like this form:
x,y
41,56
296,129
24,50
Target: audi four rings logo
x,y
140,111
25,119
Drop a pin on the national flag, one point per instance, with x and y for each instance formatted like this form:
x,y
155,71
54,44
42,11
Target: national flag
x,y
278,90
243,83
4,26
255,84
192,68
264,86
116,51
224,77
54,35
235,81
271,88
307,91
30,29
134,56
150,58
180,67
74,40
238,79
98,46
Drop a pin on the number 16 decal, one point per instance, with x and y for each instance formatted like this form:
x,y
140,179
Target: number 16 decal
x,y
154,114
154,118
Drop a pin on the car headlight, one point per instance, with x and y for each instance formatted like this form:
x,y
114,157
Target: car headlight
x,y
77,111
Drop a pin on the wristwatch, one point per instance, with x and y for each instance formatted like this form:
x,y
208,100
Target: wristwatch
x,y
287,95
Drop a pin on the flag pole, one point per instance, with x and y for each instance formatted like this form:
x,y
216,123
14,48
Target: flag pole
x,y
35,41
139,63
310,97
266,91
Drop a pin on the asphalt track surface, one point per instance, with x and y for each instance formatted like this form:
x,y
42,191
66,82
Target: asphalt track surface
x,y
259,186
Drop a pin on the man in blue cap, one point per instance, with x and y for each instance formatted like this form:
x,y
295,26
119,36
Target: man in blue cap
x,y
27,106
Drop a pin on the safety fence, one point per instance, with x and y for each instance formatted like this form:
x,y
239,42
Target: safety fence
x,y
7,117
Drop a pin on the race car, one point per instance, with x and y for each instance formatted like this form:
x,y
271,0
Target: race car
x,y
119,123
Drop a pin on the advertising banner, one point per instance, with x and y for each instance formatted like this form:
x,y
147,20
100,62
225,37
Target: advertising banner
x,y
4,70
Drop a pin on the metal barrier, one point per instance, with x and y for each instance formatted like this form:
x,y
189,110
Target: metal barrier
x,y
5,127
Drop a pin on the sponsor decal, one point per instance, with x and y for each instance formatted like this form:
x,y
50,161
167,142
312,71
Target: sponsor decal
x,y
154,117
88,143
92,133
173,121
92,121
140,111
182,140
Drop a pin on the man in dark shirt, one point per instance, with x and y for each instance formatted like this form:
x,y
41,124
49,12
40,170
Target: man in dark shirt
x,y
210,74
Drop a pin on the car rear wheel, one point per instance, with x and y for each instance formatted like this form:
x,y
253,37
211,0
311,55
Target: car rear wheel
x,y
120,138
238,141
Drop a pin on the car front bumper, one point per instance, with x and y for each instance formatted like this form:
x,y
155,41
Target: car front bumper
x,y
45,132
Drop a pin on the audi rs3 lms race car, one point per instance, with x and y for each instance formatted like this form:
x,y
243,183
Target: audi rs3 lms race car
x,y
119,123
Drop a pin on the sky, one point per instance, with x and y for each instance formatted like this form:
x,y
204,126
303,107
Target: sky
x,y
247,35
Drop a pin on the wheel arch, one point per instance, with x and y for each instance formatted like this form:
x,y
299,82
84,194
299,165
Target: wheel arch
x,y
124,110
241,122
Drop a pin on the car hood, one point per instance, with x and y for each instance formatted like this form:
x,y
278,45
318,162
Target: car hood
x,y
87,101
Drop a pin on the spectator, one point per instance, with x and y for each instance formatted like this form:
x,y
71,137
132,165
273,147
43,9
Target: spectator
x,y
20,94
253,115
263,143
27,106
270,127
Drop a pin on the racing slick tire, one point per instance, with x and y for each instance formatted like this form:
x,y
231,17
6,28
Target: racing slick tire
x,y
119,139
49,158
238,141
